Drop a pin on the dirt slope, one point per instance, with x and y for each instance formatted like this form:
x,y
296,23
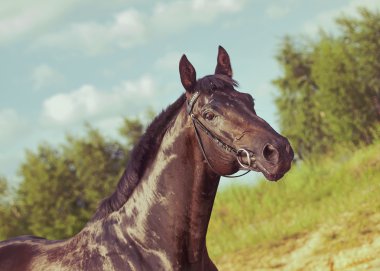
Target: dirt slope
x,y
351,243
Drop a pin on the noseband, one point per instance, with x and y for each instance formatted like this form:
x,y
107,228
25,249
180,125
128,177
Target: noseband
x,y
237,152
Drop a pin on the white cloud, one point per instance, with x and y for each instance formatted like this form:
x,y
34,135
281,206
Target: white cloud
x,y
88,102
326,20
179,15
168,62
19,18
11,125
263,90
131,27
277,11
125,30
43,75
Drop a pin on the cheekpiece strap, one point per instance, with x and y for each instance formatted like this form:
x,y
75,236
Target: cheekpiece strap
x,y
220,143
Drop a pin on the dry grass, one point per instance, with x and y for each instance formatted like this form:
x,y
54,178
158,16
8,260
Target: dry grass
x,y
322,210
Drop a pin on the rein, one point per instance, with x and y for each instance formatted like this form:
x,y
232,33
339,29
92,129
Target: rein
x,y
219,142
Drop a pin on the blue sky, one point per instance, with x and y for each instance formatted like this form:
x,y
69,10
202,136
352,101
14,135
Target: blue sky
x,y
67,62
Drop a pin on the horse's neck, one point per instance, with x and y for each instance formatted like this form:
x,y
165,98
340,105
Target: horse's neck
x,y
170,208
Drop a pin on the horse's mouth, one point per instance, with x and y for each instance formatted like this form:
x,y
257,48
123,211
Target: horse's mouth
x,y
273,177
258,167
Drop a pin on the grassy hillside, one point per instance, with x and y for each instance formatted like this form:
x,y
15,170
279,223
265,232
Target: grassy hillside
x,y
313,194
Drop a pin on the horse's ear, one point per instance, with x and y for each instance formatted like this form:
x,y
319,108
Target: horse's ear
x,y
224,64
188,74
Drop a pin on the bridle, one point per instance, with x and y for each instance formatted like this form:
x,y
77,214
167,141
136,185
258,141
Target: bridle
x,y
219,142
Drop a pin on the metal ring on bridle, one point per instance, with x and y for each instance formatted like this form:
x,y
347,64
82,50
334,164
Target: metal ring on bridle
x,y
241,161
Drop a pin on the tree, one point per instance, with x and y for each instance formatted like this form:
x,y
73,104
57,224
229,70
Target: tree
x,y
62,186
8,212
3,205
131,130
329,90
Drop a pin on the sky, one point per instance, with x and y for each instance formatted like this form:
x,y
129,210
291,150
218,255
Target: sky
x,y
64,63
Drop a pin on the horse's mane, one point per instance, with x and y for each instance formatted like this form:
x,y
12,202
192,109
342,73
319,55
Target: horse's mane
x,y
143,153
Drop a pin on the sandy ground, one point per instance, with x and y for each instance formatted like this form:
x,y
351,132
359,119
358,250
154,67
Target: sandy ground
x,y
322,250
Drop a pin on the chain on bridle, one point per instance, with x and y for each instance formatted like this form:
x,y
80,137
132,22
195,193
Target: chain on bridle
x,y
219,142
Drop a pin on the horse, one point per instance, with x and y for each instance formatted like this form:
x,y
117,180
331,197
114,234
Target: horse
x,y
157,217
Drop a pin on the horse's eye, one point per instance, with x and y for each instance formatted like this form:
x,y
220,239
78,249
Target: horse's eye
x,y
209,116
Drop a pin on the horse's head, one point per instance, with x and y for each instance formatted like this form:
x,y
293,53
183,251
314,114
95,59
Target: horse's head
x,y
227,128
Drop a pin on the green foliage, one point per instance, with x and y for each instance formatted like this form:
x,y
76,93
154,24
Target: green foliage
x,y
330,88
3,186
3,205
62,186
313,193
8,212
132,129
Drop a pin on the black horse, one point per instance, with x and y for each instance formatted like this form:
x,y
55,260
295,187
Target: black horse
x,y
157,217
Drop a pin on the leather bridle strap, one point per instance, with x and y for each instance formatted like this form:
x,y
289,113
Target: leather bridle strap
x,y
219,142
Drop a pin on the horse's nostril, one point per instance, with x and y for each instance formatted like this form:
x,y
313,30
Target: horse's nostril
x,y
270,153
